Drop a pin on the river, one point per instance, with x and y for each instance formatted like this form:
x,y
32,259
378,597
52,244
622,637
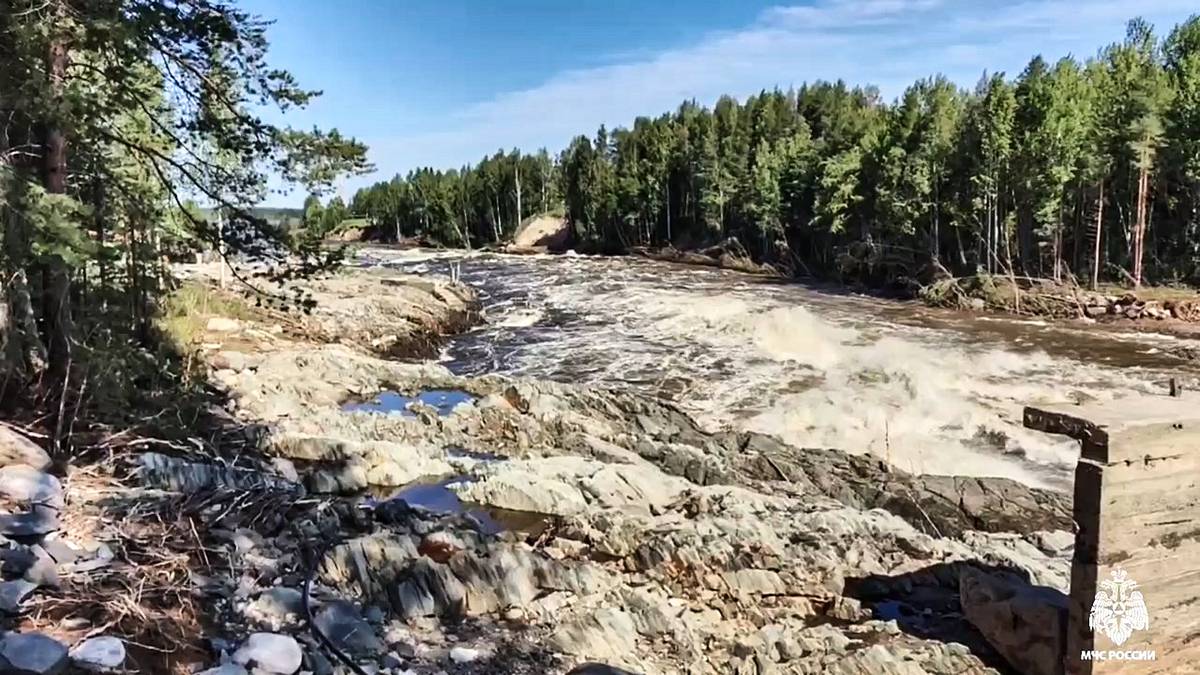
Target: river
x,y
932,391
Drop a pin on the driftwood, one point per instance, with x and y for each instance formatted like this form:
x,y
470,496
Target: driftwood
x,y
1045,297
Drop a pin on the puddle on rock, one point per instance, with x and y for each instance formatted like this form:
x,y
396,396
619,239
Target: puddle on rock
x,y
444,401
435,496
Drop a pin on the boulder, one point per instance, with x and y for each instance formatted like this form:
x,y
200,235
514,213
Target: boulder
x,y
61,550
35,523
17,449
543,231
44,570
270,653
344,625
1025,624
25,484
940,505
99,654
519,490
607,633
15,559
221,324
229,360
13,593
173,473
32,654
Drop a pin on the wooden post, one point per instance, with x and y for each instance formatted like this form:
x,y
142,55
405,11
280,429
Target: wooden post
x,y
1137,510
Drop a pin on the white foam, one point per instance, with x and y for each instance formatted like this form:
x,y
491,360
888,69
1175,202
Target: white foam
x,y
814,369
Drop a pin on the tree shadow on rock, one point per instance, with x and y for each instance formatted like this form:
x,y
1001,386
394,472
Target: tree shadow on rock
x,y
1011,624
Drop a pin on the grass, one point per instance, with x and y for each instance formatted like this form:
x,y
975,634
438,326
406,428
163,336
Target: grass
x,y
186,311
351,224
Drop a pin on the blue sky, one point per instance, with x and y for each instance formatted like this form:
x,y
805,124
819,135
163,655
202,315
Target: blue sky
x,y
441,83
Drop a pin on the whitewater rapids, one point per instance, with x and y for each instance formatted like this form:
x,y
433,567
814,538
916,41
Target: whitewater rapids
x,y
930,391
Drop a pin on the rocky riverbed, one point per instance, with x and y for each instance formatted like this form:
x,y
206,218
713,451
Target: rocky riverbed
x,y
385,516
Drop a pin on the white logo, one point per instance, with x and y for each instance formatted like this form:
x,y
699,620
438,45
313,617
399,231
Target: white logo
x,y
1119,608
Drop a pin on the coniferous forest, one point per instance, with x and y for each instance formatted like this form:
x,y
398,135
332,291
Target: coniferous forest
x,y
119,118
1088,168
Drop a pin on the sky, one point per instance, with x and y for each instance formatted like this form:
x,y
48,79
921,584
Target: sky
x,y
442,83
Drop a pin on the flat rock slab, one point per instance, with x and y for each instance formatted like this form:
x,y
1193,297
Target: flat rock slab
x,y
17,449
99,654
13,593
40,521
25,484
270,653
32,654
342,623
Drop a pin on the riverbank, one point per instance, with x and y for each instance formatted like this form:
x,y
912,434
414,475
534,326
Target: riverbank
x,y
489,524
576,480
1161,309
347,506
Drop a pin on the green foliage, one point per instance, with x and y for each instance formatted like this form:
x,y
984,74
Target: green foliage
x,y
459,207
121,120
1011,176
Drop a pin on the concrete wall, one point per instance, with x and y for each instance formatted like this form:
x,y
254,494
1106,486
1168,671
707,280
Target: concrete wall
x,y
1137,509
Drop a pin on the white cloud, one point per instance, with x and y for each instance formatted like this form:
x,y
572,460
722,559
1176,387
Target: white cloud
x,y
888,43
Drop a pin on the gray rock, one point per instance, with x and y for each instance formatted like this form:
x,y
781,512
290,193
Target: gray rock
x,y
606,633
342,623
940,505
318,663
15,559
32,654
286,469
62,552
99,654
228,360
172,473
1053,543
270,653
1025,624
277,608
221,324
44,570
25,484
17,449
465,654
225,669
40,521
101,557
13,593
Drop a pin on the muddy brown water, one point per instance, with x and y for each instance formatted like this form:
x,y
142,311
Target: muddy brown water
x,y
931,390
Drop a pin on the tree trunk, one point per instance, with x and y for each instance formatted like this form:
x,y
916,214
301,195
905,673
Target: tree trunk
x,y
1099,231
57,308
670,240
1139,231
518,178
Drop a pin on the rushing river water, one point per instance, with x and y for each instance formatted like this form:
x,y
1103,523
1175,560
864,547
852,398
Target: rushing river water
x,y
932,391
